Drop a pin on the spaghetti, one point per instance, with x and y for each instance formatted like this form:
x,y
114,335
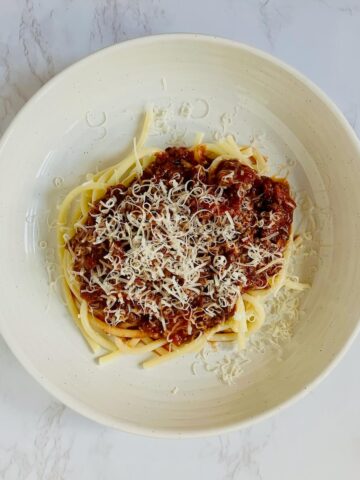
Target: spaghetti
x,y
167,250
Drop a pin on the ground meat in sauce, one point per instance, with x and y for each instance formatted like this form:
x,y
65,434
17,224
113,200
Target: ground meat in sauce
x,y
260,207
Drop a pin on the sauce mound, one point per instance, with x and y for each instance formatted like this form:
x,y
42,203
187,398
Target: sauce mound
x,y
170,253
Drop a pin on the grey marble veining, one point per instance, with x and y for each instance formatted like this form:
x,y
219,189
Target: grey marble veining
x,y
319,436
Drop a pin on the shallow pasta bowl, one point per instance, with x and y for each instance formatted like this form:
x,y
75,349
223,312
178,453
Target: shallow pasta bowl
x,y
82,120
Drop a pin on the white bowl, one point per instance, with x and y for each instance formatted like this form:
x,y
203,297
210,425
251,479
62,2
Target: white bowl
x,y
87,115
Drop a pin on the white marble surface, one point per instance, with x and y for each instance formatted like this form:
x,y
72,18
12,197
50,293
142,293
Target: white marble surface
x,y
319,437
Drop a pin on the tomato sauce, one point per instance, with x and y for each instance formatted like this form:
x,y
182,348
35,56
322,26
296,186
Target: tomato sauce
x,y
260,207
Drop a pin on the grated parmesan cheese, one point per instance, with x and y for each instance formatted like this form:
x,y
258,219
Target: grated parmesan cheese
x,y
185,239
161,118
185,110
58,181
164,84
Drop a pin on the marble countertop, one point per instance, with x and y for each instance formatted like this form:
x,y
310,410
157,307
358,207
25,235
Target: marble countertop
x,y
319,437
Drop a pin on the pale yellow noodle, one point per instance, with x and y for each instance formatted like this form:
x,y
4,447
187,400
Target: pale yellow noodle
x,y
249,312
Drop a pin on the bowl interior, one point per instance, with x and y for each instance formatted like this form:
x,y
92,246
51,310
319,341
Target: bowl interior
x,y
85,119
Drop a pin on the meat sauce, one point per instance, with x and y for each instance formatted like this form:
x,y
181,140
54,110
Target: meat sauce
x,y
260,207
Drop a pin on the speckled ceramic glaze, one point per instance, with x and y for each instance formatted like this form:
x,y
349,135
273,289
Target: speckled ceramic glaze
x,y
85,118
